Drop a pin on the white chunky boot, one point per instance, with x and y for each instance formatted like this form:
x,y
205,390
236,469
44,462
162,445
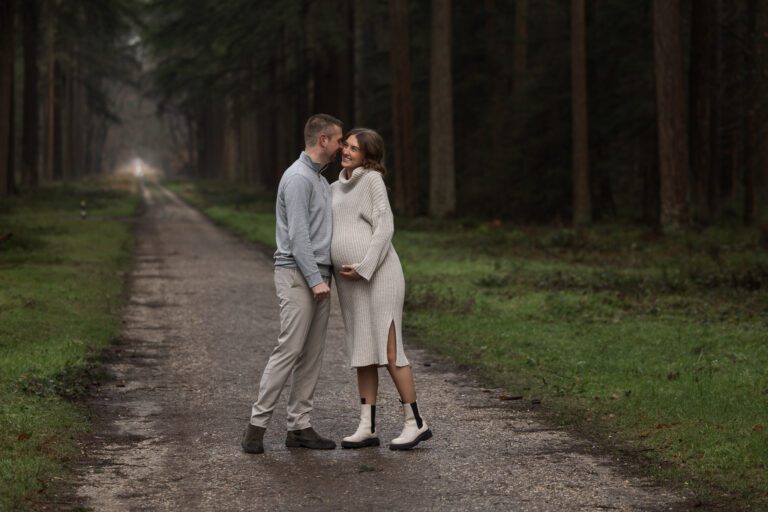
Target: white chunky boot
x,y
414,431
366,430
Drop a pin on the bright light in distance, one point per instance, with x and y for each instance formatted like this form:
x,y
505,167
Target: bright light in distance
x,y
138,167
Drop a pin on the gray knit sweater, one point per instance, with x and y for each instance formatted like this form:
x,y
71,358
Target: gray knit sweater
x,y
303,226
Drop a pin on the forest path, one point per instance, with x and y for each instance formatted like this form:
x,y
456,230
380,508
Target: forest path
x,y
200,324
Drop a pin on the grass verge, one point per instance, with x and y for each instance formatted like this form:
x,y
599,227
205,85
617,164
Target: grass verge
x,y
61,280
657,346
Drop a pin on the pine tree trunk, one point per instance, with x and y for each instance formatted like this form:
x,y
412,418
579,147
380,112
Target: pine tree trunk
x,y
703,84
230,160
519,88
303,78
360,24
757,121
521,48
582,206
282,127
6,97
442,187
50,125
29,143
80,122
406,174
66,124
670,106
713,183
733,106
248,147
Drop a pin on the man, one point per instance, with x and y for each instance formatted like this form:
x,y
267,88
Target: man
x,y
302,278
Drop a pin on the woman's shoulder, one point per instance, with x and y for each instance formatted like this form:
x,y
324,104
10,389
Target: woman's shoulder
x,y
372,177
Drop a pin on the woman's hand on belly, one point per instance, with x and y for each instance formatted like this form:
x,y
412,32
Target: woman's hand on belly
x,y
349,272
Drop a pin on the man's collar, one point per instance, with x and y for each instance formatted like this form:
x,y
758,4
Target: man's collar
x,y
311,163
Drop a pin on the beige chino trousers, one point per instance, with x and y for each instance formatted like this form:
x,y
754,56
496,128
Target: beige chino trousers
x,y
299,352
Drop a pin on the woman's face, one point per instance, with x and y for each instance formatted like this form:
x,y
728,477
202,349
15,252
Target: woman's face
x,y
351,155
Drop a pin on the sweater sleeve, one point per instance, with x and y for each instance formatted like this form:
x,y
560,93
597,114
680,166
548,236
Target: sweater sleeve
x,y
383,228
297,197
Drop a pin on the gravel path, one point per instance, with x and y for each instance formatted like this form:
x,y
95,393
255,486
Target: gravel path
x,y
200,324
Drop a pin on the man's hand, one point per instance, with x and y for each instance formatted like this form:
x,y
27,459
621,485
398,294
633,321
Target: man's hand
x,y
321,291
349,272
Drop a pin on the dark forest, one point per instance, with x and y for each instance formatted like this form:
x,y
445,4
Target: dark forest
x,y
547,111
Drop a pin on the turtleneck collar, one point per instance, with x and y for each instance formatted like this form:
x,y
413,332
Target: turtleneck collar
x,y
359,171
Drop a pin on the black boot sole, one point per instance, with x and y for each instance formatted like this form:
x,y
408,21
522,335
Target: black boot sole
x,y
407,446
374,441
251,449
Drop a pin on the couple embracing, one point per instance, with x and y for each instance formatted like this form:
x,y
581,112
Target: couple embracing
x,y
345,229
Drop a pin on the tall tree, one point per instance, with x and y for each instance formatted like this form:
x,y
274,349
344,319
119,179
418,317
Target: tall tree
x,y
670,113
755,173
30,16
734,102
7,180
406,175
582,206
442,186
521,47
703,89
50,88
359,28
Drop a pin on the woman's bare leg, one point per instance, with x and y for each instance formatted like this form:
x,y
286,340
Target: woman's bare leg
x,y
402,376
368,383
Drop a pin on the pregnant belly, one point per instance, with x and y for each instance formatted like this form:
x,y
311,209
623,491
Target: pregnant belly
x,y
346,249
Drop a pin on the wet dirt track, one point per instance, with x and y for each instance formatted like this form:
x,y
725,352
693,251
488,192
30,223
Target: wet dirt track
x,y
199,326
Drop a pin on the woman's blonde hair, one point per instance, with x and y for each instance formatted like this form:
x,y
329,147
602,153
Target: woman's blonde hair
x,y
372,146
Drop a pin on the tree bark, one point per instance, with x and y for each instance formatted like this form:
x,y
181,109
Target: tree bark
x,y
521,48
757,124
29,143
57,160
713,185
7,180
285,148
66,125
360,25
582,205
670,105
348,70
50,123
442,187
703,88
406,174
231,162
303,98
734,108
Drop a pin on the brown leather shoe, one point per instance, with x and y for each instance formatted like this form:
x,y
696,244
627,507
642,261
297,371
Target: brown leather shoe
x,y
253,439
308,438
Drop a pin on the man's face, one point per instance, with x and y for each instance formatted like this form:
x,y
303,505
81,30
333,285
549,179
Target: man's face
x,y
331,143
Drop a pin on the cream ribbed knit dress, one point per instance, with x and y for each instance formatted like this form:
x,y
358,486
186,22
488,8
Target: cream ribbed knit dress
x,y
362,236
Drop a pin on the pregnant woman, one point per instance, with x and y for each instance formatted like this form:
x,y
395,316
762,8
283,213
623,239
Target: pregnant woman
x,y
371,287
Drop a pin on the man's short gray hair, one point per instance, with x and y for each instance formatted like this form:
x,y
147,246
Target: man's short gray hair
x,y
319,124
